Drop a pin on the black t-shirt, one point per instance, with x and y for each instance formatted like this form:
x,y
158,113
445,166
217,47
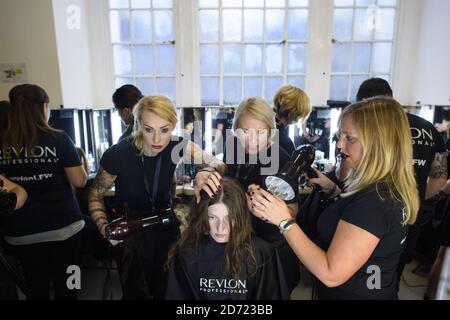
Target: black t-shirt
x,y
254,171
285,142
426,141
51,203
447,149
132,171
198,273
382,217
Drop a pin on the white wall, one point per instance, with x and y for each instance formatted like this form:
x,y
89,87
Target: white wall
x,y
432,81
405,53
73,52
27,35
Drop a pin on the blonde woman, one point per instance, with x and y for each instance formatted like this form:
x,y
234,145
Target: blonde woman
x,y
251,155
361,235
291,105
142,167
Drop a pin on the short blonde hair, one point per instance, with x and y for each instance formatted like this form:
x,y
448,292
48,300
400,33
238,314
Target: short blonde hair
x,y
387,154
159,105
256,108
291,103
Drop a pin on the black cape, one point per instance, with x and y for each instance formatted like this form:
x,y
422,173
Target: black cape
x,y
198,274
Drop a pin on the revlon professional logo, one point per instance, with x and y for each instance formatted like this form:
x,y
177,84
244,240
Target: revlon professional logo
x,y
223,286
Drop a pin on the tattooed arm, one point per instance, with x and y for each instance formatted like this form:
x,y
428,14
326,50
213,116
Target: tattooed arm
x,y
102,183
199,157
437,176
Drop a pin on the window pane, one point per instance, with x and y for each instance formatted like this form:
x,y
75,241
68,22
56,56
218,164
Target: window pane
x,y
381,57
209,59
231,90
122,60
297,58
232,59
298,3
342,3
165,60
272,86
232,23
365,2
364,24
274,25
361,57
166,86
253,24
208,3
252,87
385,24
141,26
123,81
231,3
343,24
163,25
119,23
253,59
253,3
387,2
274,59
275,3
118,4
356,82
341,58
298,24
339,88
209,25
141,4
298,82
145,85
210,91
143,60
162,4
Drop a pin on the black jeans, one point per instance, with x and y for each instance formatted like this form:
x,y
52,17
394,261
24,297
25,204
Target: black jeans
x,y
49,260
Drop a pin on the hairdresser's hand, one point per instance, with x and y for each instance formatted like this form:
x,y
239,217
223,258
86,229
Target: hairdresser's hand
x,y
323,181
210,182
269,208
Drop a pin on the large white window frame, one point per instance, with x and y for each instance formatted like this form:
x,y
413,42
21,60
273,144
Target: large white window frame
x,y
350,74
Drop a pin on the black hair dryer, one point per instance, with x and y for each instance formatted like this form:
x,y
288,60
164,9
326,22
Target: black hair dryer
x,y
281,184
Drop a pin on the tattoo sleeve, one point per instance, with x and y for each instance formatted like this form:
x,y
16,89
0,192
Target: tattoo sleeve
x,y
199,157
102,183
439,166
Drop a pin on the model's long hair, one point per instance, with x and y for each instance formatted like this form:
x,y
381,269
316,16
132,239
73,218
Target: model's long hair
x,y
239,248
386,151
26,119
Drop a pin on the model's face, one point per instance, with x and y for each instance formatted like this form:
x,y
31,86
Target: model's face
x,y
349,143
219,224
126,115
156,132
253,133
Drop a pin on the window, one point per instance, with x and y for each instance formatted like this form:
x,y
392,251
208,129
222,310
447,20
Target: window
x,y
363,35
142,37
250,48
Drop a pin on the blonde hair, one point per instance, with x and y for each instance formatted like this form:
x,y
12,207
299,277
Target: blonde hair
x,y
159,105
256,108
291,103
387,154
